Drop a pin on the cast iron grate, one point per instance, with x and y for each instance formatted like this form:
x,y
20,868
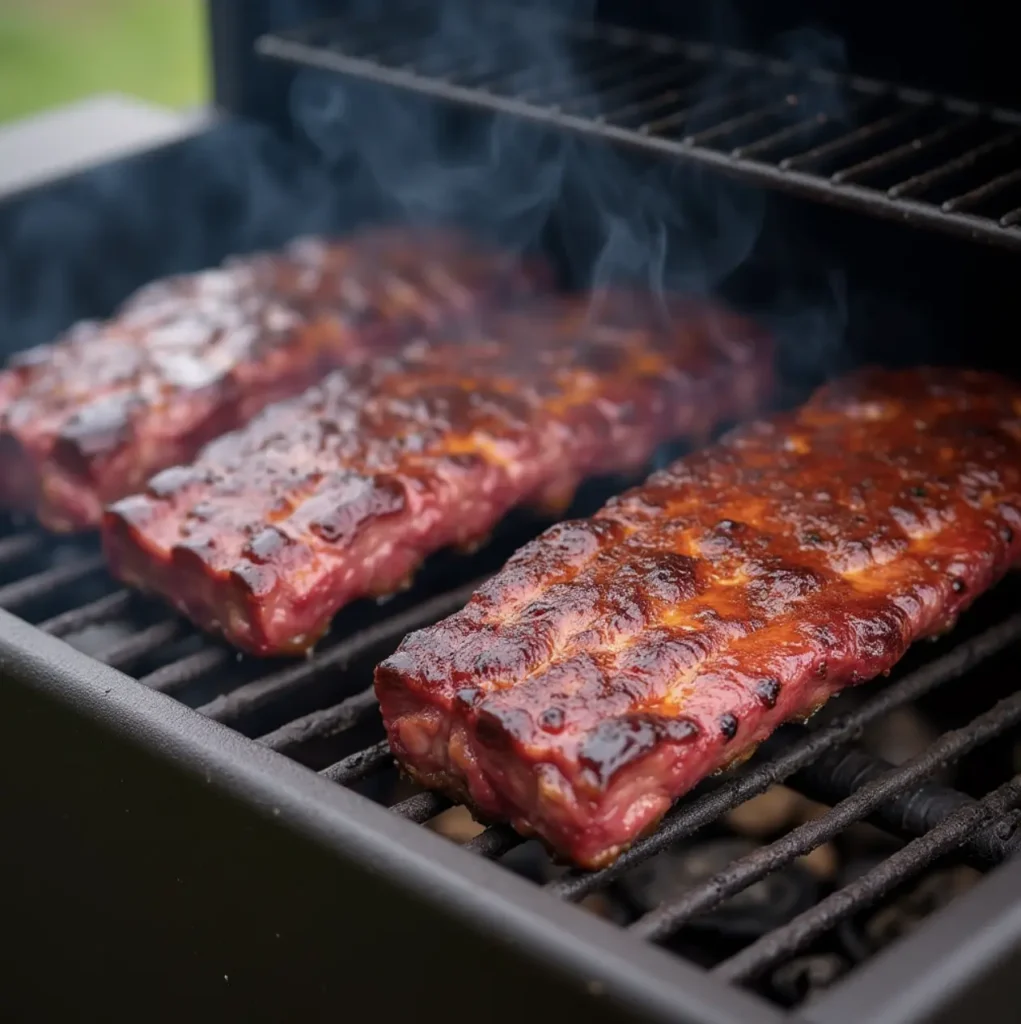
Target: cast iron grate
x,y
894,152
321,711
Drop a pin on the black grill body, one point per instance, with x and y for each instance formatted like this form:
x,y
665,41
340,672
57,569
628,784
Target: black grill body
x,y
174,862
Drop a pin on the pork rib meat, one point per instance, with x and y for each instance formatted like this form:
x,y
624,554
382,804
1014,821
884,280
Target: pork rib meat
x,y
617,661
341,492
90,417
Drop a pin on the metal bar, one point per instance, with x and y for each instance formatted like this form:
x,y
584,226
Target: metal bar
x,y
18,545
686,819
504,36
139,644
77,619
494,841
638,89
976,195
321,724
911,813
651,103
478,74
1011,218
782,177
943,971
902,152
685,114
181,673
248,698
733,124
865,133
591,83
358,765
536,84
396,52
421,807
42,583
906,862
920,182
778,138
668,917
706,55
679,79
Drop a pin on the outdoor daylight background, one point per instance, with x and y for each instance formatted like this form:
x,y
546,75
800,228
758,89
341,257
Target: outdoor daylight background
x,y
56,51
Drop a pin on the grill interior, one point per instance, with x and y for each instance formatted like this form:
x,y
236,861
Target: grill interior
x,y
780,875
905,154
772,913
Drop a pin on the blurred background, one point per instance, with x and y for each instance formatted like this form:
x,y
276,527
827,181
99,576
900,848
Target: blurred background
x,y
54,51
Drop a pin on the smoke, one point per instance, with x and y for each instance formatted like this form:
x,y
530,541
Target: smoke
x,y
611,213
79,246
608,213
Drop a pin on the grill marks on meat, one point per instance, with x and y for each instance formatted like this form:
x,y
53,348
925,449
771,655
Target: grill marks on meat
x,y
617,661
92,416
342,492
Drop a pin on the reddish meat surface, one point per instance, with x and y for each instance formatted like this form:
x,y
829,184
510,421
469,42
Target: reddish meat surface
x,y
92,416
617,661
342,492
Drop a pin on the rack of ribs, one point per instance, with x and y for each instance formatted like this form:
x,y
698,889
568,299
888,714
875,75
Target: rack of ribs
x,y
343,491
90,417
617,661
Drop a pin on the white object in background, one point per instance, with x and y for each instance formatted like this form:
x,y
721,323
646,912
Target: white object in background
x,y
72,138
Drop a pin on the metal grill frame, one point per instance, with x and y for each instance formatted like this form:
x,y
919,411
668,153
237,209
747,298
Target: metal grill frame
x,y
493,924
262,890
124,794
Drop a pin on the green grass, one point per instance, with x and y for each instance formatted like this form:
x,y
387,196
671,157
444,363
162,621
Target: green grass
x,y
55,51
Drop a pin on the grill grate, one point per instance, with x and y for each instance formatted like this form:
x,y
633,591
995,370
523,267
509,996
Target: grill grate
x,y
320,712
919,853
898,153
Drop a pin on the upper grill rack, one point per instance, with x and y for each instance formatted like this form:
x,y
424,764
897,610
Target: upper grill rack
x,y
293,707
903,154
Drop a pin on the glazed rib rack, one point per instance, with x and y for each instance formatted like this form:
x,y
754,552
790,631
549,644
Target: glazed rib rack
x,y
321,711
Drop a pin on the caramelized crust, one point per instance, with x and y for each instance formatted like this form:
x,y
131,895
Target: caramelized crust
x,y
342,492
617,661
92,416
